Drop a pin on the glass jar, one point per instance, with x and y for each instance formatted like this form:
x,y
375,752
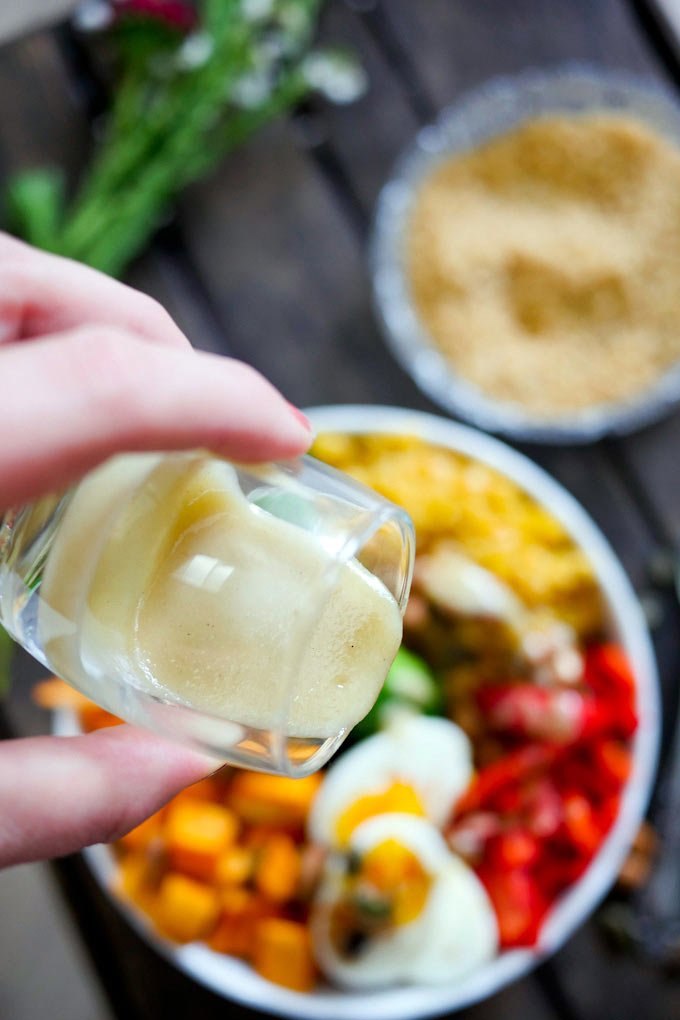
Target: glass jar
x,y
250,611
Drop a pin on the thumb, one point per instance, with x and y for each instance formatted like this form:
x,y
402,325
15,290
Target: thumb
x,y
59,794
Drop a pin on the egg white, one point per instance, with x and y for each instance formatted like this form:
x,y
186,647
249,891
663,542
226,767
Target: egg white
x,y
454,933
432,755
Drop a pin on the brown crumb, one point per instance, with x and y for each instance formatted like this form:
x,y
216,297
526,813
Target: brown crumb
x,y
634,872
646,841
545,263
637,867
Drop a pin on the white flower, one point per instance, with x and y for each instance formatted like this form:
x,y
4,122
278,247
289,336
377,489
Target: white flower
x,y
252,89
336,75
271,49
293,21
257,10
93,16
195,51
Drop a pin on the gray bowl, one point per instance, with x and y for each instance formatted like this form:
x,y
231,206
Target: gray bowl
x,y
493,109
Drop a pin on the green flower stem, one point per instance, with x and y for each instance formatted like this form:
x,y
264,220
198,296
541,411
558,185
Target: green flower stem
x,y
6,646
169,124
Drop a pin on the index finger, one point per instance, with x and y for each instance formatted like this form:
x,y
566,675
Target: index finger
x,y
42,293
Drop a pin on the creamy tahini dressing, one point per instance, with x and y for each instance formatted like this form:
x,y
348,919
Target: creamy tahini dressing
x,y
163,572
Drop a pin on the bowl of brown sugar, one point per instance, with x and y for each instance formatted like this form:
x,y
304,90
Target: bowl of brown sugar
x,y
526,256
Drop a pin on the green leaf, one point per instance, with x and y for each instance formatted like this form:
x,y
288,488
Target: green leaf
x,y
35,205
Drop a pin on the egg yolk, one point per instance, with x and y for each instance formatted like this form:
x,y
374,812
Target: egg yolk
x,y
394,870
385,888
398,797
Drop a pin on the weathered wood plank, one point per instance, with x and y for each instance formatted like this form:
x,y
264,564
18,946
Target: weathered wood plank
x,y
287,276
164,274
368,135
613,986
653,457
38,122
467,42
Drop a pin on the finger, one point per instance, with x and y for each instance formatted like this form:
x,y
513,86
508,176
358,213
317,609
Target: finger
x,y
41,294
58,794
71,401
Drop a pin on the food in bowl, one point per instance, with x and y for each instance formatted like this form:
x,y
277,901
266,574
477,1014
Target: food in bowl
x,y
476,792
399,907
543,262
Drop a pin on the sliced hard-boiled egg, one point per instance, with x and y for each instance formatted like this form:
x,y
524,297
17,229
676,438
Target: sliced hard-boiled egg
x,y
420,765
455,583
397,906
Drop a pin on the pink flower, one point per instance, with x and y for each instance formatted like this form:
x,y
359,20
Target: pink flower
x,y
174,13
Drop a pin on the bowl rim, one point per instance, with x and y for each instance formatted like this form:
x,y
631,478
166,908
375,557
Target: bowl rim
x,y
508,100
236,980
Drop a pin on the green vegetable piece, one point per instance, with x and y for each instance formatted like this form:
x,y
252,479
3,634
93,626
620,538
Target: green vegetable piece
x,y
410,679
373,907
411,686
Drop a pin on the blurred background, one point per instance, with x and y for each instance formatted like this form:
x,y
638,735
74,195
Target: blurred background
x,y
255,241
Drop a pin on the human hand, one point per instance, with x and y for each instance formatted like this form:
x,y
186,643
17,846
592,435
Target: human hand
x,y
89,368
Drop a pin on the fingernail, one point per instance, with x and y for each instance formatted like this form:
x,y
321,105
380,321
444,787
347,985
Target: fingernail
x,y
302,418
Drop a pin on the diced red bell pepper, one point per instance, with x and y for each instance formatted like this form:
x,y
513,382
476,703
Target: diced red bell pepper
x,y
516,848
511,770
608,674
538,713
542,810
612,759
606,667
607,813
549,802
510,800
558,871
469,836
578,772
581,824
557,715
518,904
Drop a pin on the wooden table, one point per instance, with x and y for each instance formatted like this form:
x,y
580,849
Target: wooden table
x,y
266,261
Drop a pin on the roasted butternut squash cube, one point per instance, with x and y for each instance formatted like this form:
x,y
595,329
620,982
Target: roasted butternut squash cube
x,y
197,832
138,839
277,875
211,788
134,880
278,801
235,866
240,911
185,910
282,953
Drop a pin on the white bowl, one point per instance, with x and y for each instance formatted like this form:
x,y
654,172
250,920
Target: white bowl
x,y
492,109
235,980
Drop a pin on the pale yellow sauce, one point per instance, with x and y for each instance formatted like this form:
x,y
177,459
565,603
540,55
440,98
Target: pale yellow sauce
x,y
164,573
